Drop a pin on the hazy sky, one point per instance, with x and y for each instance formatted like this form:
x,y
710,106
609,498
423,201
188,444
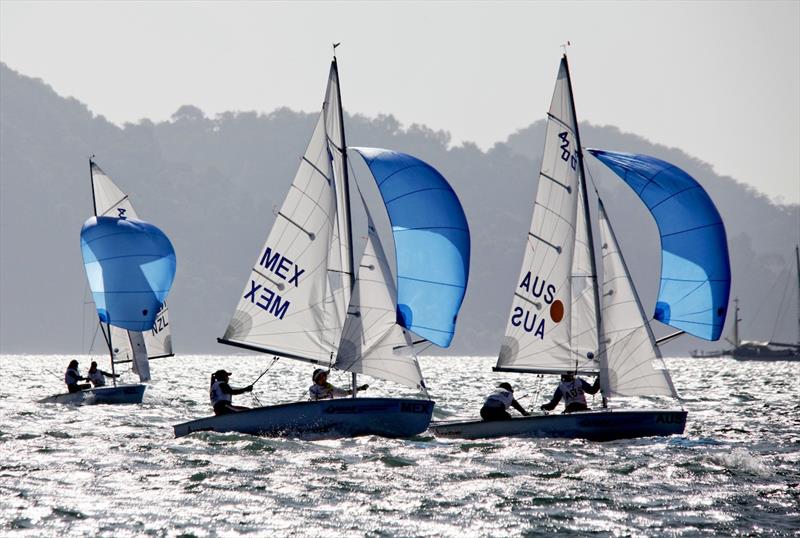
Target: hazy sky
x,y
720,80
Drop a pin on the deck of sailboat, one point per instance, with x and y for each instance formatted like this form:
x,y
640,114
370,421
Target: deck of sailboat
x,y
599,425
344,417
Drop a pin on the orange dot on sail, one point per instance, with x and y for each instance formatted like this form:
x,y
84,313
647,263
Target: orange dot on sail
x,y
557,311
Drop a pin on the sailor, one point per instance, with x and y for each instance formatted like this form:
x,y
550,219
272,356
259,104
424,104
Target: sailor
x,y
222,393
98,377
322,390
496,405
572,389
72,376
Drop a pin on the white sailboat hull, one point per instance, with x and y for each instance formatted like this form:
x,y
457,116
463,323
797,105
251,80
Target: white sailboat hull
x,y
121,394
330,419
603,425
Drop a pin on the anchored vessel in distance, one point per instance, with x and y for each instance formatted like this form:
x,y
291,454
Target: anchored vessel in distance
x,y
563,321
752,350
130,265
306,300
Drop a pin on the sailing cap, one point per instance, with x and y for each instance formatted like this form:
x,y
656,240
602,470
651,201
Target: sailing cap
x,y
222,373
317,373
506,386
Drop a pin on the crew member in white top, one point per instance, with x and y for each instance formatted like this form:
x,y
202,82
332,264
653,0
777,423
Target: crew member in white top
x,y
222,393
72,376
98,377
496,405
322,390
572,389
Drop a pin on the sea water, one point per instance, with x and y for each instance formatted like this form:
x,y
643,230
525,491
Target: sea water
x,y
117,470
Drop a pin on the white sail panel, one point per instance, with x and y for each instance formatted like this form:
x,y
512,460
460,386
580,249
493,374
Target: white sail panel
x,y
633,365
341,256
141,366
372,342
538,333
158,340
584,307
109,200
285,307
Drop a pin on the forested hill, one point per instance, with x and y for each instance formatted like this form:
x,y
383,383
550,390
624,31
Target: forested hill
x,y
211,184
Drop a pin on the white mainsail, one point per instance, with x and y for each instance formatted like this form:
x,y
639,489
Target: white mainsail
x,y
633,365
288,306
372,343
539,331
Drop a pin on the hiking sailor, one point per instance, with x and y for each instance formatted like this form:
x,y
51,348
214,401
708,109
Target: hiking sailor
x,y
97,376
572,389
322,390
222,393
72,376
496,405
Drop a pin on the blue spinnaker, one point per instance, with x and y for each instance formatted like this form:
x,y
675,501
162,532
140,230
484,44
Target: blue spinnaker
x,y
130,265
695,268
431,239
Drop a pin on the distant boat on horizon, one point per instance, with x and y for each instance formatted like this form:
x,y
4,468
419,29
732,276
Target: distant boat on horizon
x,y
130,265
562,321
752,350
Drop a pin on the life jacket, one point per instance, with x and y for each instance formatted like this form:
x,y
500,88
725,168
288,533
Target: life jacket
x,y
71,377
320,392
572,392
500,398
97,378
217,394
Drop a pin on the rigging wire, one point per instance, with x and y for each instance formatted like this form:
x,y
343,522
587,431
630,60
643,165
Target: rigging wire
x,y
780,307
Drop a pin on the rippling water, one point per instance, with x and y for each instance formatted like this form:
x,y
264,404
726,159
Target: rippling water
x,y
118,471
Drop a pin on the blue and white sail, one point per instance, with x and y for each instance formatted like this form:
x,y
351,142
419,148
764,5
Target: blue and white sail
x,y
372,342
539,332
695,267
130,265
432,242
632,364
110,201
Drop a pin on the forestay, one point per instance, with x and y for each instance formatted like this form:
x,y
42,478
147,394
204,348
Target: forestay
x,y
695,268
539,330
432,243
632,365
372,343
287,306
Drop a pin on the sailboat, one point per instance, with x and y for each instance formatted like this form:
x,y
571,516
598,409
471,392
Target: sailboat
x,y
306,299
150,261
752,350
562,321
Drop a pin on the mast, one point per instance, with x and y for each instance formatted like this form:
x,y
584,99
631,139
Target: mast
x,y
797,260
106,334
587,218
345,198
736,321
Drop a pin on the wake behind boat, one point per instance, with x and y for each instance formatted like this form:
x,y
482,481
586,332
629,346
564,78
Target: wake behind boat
x,y
560,325
307,300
